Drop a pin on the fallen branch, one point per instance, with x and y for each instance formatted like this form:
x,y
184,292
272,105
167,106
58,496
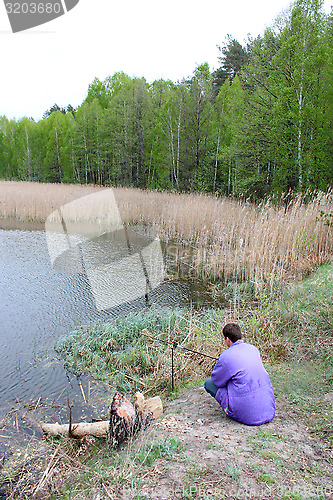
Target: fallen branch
x,y
96,429
70,416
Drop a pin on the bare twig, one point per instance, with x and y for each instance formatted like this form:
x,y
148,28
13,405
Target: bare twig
x,y
106,491
82,391
70,417
52,463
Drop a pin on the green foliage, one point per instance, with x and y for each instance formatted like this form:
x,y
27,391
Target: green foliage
x,y
117,352
233,472
232,58
327,217
266,478
261,124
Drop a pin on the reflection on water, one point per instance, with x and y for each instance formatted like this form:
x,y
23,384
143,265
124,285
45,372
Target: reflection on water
x,y
39,304
130,266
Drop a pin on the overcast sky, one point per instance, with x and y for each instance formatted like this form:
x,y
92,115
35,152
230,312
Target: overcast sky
x,y
55,62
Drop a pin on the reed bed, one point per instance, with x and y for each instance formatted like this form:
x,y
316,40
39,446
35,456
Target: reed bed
x,y
228,239
34,202
236,239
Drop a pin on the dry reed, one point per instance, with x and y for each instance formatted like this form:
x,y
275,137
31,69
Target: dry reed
x,y
190,364
228,238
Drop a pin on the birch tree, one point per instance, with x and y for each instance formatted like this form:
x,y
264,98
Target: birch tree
x,y
297,75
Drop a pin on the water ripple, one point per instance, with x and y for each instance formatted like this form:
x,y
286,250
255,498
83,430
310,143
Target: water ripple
x,y
38,305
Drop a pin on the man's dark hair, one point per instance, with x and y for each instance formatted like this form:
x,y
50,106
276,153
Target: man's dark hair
x,y
232,331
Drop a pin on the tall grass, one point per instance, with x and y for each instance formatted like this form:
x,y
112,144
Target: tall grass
x,y
127,355
227,238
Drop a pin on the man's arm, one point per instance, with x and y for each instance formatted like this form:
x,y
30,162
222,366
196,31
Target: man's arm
x,y
221,373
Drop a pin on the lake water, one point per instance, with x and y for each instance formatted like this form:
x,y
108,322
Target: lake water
x,y
40,303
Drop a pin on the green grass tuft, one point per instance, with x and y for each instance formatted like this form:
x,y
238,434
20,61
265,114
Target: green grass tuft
x,y
150,452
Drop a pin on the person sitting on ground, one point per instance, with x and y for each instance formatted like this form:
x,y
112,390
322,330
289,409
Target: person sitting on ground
x,y
239,381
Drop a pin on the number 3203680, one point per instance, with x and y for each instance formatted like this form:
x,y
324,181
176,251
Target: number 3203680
x,y
33,8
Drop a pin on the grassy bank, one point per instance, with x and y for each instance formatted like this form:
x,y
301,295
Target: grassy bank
x,y
293,333
134,353
224,238
192,452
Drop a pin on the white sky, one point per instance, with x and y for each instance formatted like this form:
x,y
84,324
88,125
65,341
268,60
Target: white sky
x,y
55,62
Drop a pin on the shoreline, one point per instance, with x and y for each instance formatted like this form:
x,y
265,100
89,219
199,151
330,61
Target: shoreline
x,y
13,224
230,239
194,449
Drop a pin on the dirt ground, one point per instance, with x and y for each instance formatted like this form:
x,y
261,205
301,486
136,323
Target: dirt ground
x,y
224,459
217,458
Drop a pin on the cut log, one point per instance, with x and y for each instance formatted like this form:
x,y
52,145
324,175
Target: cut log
x,y
125,420
96,429
151,405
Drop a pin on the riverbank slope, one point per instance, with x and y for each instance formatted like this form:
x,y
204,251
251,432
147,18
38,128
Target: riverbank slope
x,y
194,450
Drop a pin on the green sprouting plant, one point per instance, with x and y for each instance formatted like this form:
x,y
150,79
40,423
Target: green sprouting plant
x,y
197,470
326,217
266,479
233,472
166,449
263,439
304,241
278,461
214,446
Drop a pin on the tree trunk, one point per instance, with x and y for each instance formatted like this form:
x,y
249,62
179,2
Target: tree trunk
x,y
216,161
28,154
58,155
122,420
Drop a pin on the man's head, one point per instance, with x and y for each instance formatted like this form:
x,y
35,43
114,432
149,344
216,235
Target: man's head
x,y
232,332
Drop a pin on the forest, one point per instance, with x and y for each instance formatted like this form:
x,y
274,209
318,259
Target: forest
x,y
260,125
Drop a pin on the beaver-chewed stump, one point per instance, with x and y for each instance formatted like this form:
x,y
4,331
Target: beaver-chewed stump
x,y
126,419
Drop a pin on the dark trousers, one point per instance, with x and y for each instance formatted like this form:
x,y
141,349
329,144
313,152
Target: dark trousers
x,y
210,387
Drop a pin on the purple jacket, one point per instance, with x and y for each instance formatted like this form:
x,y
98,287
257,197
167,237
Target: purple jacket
x,y
245,390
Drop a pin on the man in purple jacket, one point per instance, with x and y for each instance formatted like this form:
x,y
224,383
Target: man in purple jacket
x,y
239,381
